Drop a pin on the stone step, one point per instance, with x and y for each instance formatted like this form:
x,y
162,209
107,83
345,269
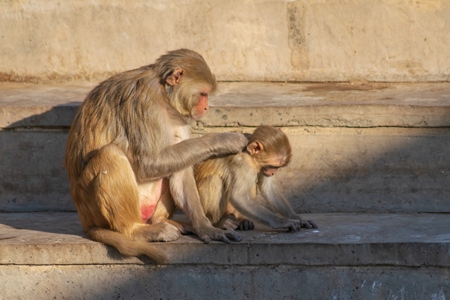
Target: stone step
x,y
358,147
45,255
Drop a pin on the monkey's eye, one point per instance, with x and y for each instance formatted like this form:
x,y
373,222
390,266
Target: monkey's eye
x,y
204,94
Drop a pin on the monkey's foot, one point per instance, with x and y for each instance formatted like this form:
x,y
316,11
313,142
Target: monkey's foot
x,y
182,227
166,232
246,225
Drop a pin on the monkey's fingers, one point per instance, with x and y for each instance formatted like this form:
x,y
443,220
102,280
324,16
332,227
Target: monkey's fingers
x,y
294,227
225,239
309,225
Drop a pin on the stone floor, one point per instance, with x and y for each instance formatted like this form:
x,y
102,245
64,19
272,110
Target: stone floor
x,y
50,238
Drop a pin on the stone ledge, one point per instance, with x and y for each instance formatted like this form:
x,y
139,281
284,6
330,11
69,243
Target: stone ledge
x,y
251,104
406,240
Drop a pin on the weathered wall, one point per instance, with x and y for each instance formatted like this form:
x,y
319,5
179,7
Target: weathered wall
x,y
305,40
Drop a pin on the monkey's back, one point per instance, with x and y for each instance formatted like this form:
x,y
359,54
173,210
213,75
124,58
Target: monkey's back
x,y
120,111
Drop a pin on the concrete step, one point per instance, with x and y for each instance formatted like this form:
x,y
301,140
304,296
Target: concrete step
x,y
351,256
358,147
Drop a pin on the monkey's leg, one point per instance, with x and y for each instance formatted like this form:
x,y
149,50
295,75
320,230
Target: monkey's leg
x,y
184,192
215,206
112,200
165,209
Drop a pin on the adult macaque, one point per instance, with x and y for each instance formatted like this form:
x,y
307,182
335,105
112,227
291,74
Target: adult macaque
x,y
238,189
129,148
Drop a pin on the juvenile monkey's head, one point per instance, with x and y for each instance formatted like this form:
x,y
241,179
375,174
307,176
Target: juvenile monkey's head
x,y
270,148
188,81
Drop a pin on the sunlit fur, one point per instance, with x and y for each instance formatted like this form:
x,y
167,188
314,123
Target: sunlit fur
x,y
233,188
132,131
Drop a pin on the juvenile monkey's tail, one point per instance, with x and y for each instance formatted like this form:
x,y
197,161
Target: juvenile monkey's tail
x,y
126,245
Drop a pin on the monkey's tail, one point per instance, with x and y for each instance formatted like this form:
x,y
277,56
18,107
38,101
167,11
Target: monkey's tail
x,y
126,245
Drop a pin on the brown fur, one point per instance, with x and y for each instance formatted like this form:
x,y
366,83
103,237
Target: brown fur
x,y
234,188
130,146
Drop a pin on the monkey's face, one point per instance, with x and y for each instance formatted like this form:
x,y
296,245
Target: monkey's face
x,y
267,162
271,166
190,99
201,105
269,170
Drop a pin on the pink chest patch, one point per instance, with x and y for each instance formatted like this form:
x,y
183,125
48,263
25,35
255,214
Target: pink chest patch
x,y
147,211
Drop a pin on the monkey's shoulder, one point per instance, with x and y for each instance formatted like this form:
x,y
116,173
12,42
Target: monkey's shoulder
x,y
224,167
242,162
241,158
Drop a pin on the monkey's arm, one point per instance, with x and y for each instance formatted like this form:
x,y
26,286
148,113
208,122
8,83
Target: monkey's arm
x,y
189,152
211,192
274,199
251,206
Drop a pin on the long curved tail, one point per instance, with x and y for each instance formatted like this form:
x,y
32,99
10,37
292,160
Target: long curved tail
x,y
126,245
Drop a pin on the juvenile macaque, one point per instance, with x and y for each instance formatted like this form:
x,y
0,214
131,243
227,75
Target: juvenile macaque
x,y
129,148
239,189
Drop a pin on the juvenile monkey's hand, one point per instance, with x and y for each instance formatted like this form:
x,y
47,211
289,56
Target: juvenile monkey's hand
x,y
308,224
298,224
290,224
294,225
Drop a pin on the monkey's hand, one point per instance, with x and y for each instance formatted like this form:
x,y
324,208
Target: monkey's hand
x,y
215,234
229,142
293,225
284,223
308,224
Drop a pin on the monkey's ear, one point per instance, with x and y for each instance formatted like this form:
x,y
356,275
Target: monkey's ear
x,y
175,78
254,147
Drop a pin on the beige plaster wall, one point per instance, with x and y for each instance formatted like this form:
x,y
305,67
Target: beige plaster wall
x,y
275,40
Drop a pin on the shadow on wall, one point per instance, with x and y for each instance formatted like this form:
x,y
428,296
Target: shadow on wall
x,y
333,170
32,162
370,170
